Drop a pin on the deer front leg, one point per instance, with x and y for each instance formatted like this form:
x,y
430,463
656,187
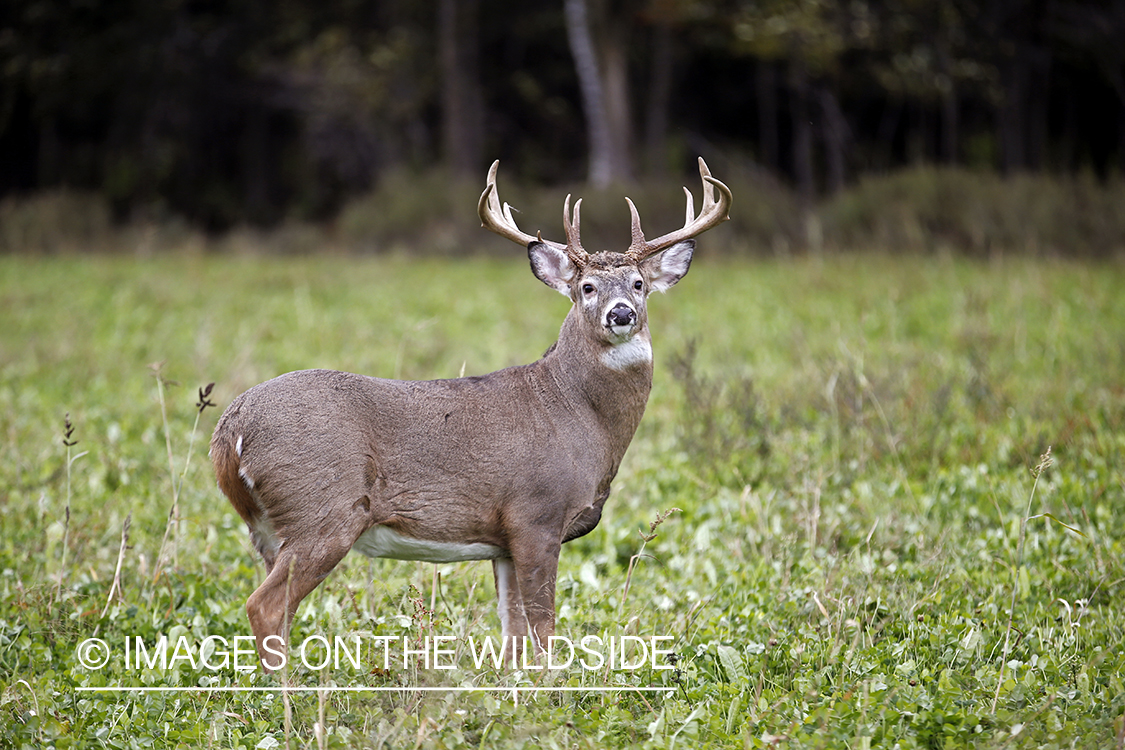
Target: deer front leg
x,y
513,624
525,586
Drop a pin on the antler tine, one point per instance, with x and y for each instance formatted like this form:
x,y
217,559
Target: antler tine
x,y
637,235
705,173
572,227
498,218
714,211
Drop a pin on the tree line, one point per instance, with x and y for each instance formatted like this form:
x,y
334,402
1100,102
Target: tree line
x,y
242,111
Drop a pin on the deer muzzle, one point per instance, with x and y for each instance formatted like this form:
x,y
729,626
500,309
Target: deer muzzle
x,y
620,316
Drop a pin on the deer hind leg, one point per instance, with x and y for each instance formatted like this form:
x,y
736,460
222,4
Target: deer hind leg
x,y
295,572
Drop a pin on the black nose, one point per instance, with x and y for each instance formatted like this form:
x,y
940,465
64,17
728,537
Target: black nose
x,y
621,315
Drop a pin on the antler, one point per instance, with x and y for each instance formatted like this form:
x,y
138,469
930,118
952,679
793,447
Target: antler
x,y
499,219
711,213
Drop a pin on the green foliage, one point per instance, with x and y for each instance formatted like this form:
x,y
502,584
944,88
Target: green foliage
x,y
850,439
923,210
980,213
53,221
432,212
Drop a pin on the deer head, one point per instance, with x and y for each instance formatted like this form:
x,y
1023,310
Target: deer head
x,y
609,289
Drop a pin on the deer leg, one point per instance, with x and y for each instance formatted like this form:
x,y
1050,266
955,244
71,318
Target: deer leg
x,y
513,624
536,568
295,573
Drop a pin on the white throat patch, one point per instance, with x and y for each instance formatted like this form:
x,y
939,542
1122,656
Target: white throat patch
x,y
635,351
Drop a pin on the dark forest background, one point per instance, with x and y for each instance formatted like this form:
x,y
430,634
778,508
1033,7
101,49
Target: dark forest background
x,y
233,113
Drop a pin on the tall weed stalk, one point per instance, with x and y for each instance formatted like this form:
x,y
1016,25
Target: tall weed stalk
x,y
171,529
645,539
69,441
1044,462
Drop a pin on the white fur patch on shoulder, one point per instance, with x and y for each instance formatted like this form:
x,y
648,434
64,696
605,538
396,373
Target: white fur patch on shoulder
x,y
380,541
635,351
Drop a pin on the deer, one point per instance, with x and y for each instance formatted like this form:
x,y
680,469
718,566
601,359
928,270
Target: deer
x,y
506,467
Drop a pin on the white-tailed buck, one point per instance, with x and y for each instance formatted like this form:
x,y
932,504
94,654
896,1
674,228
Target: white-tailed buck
x,y
503,467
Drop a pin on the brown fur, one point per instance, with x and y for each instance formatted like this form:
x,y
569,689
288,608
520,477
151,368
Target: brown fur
x,y
225,460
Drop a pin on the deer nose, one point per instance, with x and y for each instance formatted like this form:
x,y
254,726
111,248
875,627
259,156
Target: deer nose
x,y
621,315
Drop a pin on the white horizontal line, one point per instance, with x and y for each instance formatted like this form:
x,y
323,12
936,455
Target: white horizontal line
x,y
366,689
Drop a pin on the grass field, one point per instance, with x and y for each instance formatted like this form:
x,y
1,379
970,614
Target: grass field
x,y
900,480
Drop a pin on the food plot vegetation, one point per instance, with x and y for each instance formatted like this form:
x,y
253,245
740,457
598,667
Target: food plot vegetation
x,y
875,501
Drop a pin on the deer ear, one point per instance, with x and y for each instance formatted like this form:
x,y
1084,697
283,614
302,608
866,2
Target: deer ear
x,y
668,266
551,266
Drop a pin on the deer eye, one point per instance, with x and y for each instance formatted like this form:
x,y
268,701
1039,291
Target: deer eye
x,y
588,288
638,285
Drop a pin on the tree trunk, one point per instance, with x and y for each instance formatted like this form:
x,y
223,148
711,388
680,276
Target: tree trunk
x,y
950,124
836,138
766,83
802,130
462,101
949,127
1010,131
660,99
256,160
47,162
918,134
615,55
889,123
1120,139
604,160
1037,106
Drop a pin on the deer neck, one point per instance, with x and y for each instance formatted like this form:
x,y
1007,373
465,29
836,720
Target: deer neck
x,y
613,381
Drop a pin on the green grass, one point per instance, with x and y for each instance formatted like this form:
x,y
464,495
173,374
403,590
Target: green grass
x,y
851,441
